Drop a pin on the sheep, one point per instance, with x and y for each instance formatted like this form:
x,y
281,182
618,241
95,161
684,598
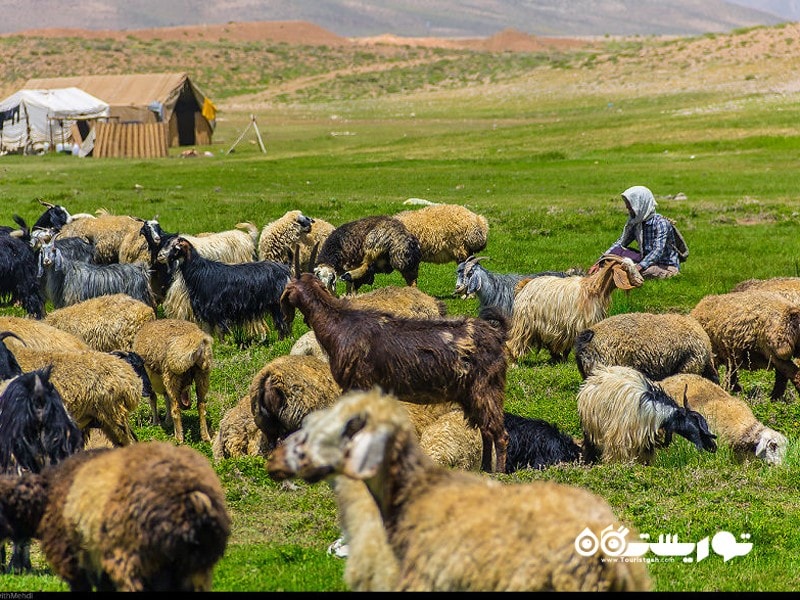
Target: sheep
x,y
731,418
752,330
788,287
309,242
657,344
68,281
493,289
238,434
285,390
100,390
35,431
446,232
550,311
224,295
105,231
420,360
401,301
625,417
38,335
537,444
145,518
356,250
279,238
177,354
450,530
18,281
106,323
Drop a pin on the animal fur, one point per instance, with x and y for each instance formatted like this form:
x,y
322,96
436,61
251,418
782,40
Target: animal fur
x,y
446,232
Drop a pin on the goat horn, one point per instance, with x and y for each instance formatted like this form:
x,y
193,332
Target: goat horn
x,y
686,397
313,260
47,204
478,259
296,251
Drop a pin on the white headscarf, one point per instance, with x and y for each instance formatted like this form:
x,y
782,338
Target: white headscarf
x,y
644,205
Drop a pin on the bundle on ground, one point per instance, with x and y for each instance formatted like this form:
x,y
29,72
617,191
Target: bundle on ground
x,y
729,417
420,360
657,344
238,435
753,330
549,311
625,417
506,537
145,518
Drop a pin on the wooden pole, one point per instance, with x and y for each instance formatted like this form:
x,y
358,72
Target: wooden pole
x,y
258,135
253,124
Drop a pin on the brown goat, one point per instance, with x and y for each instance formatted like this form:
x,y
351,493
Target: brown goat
x,y
420,360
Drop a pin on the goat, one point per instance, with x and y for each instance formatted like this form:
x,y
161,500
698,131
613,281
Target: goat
x,y
451,530
18,281
224,295
69,282
357,250
145,518
625,417
35,431
537,444
492,289
421,360
550,311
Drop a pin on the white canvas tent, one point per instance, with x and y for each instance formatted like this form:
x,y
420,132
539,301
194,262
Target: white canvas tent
x,y
37,120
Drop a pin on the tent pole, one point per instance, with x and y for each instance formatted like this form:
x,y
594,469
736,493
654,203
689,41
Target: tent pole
x,y
253,124
258,134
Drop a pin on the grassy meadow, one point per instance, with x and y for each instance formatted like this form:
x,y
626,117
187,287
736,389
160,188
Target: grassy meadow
x,y
543,152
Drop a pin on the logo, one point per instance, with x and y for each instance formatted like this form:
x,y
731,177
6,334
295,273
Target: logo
x,y
613,543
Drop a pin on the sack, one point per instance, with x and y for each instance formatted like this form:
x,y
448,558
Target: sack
x,y
680,244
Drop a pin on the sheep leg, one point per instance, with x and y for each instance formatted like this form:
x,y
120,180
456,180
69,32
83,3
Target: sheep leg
x,y
175,413
201,386
20,557
154,419
785,371
119,434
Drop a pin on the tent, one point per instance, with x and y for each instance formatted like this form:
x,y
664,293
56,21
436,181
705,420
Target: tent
x,y
33,121
150,98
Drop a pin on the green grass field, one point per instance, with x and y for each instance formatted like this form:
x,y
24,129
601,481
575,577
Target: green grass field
x,y
546,169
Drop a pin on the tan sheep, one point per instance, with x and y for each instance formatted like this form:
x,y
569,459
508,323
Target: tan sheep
x,y
788,287
39,335
657,344
238,435
320,230
177,354
753,330
451,530
279,238
446,232
549,311
729,417
105,323
106,232
100,390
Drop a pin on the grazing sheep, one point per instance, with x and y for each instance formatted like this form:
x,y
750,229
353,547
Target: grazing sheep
x,y
549,311
68,281
106,323
658,345
150,517
35,431
729,417
38,335
105,231
356,250
625,416
100,390
451,530
279,238
18,276
420,360
309,242
753,330
788,287
537,444
493,289
446,232
176,354
238,434
223,295
285,390
401,301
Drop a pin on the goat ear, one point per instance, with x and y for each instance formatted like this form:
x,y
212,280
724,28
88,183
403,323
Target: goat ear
x,y
365,452
621,279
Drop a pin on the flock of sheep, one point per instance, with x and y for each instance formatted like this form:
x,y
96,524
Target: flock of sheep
x,y
388,398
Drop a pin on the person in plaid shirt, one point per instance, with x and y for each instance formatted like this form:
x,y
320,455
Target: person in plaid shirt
x,y
655,255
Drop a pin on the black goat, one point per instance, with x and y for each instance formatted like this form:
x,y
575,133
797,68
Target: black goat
x,y
419,360
35,431
537,444
55,217
18,281
224,295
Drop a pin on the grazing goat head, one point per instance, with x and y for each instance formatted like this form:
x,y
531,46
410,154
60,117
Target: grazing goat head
x,y
691,425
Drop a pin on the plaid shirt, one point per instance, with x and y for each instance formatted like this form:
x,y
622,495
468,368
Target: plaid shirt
x,y
658,243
